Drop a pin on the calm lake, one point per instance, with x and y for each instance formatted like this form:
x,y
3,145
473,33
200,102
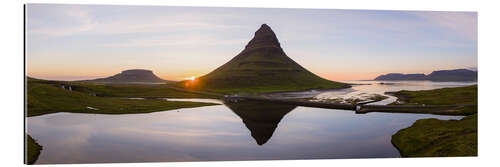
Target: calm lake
x,y
234,131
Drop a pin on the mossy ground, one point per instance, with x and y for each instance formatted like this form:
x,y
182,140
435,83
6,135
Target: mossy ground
x,y
271,89
46,98
122,90
444,96
440,138
33,150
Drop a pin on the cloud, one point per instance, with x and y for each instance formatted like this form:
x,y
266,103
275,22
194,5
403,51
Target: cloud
x,y
59,21
67,20
464,23
185,41
125,27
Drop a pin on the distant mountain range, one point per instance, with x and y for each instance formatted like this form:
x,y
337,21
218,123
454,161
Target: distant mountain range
x,y
131,76
440,75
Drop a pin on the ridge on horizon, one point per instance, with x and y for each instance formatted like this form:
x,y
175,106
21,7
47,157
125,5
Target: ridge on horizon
x,y
131,76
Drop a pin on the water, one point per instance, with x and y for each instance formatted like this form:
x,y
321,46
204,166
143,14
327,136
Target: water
x,y
371,87
235,131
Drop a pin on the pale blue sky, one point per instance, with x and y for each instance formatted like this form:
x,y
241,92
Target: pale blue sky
x,y
69,42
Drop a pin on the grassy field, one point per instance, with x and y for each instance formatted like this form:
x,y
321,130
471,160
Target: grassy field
x,y
444,96
440,138
33,149
268,89
123,90
44,98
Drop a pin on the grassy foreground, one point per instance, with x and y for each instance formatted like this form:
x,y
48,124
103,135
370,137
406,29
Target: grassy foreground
x,y
440,138
122,90
45,98
33,150
443,96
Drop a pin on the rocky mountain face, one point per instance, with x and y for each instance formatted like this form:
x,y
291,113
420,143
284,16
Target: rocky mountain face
x,y
263,65
132,76
440,75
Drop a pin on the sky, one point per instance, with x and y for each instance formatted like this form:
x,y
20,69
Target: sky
x,y
75,42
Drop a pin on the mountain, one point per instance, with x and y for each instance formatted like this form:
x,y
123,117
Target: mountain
x,y
440,75
262,66
399,76
453,75
131,76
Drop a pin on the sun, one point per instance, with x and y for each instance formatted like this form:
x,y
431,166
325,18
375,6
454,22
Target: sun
x,y
191,78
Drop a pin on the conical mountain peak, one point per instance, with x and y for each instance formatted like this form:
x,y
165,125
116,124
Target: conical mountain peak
x,y
262,66
264,37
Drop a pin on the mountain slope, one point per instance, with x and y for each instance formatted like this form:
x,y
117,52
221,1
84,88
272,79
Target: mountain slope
x,y
131,76
262,66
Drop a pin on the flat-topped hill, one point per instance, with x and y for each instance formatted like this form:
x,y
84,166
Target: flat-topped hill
x,y
131,76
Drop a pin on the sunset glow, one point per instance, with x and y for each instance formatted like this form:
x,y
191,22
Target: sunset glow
x,y
70,42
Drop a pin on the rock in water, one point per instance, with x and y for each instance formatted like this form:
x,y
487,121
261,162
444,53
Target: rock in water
x,y
262,66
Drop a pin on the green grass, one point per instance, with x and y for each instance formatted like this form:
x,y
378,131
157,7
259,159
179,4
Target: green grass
x,y
33,150
146,91
438,138
123,90
45,98
443,96
254,83
272,88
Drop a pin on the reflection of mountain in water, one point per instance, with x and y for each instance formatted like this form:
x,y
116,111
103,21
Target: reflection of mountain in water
x,y
261,118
